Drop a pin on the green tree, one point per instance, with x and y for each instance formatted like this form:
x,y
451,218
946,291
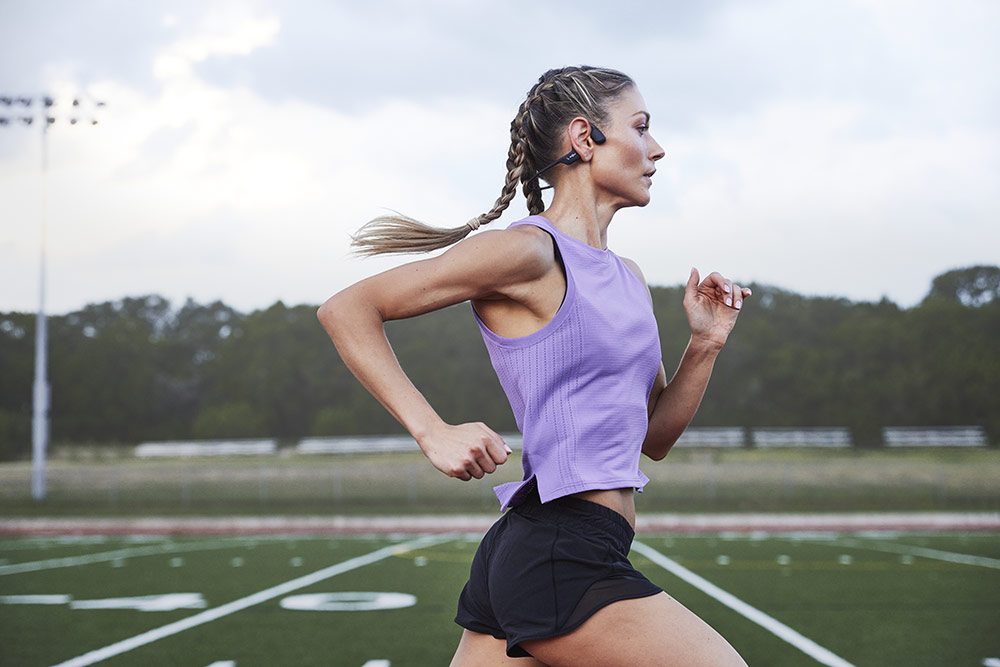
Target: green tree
x,y
17,353
972,286
103,370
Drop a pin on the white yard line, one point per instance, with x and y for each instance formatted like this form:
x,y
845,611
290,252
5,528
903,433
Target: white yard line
x,y
776,627
923,552
238,605
117,554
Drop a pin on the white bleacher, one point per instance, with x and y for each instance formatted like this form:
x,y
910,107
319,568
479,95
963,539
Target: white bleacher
x,y
373,444
802,437
934,436
711,437
198,448
356,445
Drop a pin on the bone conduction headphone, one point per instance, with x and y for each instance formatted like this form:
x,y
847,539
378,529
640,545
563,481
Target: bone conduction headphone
x,y
572,156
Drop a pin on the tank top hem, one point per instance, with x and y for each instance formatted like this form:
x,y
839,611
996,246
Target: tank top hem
x,y
508,494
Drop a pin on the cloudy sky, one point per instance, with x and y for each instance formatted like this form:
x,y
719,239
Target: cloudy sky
x,y
829,147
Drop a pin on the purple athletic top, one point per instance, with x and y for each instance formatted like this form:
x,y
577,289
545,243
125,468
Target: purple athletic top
x,y
579,386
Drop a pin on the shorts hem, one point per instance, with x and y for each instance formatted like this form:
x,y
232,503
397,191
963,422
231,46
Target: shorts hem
x,y
515,650
480,629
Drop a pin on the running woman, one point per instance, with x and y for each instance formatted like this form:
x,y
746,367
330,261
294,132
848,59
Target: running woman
x,y
570,330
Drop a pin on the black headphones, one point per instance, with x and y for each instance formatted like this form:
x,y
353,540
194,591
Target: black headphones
x,y
573,156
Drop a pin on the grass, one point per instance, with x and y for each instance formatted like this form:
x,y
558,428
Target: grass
x,y
772,480
847,593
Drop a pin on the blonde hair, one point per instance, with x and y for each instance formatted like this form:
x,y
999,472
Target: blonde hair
x,y
559,96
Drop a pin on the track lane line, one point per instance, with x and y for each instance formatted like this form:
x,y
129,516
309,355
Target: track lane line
x,y
216,613
809,647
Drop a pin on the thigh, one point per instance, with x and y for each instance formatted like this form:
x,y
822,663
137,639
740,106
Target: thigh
x,y
479,650
645,632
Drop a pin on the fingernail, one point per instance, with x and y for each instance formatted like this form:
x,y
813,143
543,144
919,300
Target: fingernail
x,y
749,291
727,289
739,304
508,449
729,301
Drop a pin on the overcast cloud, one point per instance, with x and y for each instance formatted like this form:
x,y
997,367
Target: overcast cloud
x,y
834,147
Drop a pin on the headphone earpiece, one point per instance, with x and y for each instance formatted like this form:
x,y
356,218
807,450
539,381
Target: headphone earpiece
x,y
573,156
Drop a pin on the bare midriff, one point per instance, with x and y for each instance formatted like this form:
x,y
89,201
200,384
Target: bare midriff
x,y
619,500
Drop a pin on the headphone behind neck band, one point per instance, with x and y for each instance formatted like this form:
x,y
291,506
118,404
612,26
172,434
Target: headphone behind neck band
x,y
572,156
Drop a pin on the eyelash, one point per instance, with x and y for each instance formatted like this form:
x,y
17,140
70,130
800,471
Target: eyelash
x,y
643,129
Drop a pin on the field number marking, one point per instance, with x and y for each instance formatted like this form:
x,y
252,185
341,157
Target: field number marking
x,y
348,601
172,601
776,627
280,590
167,602
35,599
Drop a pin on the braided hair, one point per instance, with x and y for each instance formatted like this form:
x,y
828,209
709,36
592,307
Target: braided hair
x,y
559,96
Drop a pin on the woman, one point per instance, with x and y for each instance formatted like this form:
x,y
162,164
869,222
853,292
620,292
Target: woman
x,y
570,330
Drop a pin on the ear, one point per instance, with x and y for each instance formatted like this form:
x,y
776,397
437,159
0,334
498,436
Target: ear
x,y
579,138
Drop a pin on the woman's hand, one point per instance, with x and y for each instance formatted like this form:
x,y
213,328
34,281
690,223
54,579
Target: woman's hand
x,y
712,306
464,451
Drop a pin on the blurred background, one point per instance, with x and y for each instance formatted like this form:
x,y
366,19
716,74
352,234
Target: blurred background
x,y
198,168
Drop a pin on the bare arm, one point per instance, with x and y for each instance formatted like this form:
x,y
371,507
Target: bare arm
x,y
495,264
712,307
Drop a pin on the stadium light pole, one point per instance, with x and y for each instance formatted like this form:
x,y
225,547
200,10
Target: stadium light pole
x,y
41,394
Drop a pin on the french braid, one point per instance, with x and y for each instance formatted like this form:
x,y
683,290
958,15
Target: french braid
x,y
535,140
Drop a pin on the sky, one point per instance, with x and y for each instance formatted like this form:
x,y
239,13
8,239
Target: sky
x,y
846,148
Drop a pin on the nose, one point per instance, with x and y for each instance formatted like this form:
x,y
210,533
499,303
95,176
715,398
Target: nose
x,y
656,150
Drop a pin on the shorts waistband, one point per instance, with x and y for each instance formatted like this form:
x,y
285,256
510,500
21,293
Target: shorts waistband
x,y
583,514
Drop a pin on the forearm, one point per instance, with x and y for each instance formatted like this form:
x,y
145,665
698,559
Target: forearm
x,y
356,329
679,400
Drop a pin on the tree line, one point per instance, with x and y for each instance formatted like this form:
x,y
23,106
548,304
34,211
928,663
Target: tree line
x,y
139,369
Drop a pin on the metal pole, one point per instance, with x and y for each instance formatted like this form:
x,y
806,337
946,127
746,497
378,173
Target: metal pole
x,y
40,418
41,394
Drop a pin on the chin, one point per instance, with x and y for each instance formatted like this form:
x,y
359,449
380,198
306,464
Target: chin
x,y
642,199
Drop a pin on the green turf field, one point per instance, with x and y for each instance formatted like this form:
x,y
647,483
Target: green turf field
x,y
846,599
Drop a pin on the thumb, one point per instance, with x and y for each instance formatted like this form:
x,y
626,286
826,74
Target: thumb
x,y
692,283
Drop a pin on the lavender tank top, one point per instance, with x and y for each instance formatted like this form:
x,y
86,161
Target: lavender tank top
x,y
579,386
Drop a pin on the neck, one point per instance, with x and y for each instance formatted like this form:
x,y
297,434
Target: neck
x,y
576,211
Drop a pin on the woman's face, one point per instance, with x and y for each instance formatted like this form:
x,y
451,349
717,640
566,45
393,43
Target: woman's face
x,y
622,167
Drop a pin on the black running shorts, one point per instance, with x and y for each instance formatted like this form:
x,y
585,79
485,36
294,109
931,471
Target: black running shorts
x,y
544,569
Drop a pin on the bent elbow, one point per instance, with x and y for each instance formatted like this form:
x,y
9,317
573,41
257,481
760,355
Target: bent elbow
x,y
325,313
330,312
657,450
654,455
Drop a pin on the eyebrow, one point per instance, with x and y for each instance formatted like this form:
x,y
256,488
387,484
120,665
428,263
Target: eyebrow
x,y
642,113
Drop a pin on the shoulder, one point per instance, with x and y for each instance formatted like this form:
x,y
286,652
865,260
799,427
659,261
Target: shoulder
x,y
632,266
516,254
